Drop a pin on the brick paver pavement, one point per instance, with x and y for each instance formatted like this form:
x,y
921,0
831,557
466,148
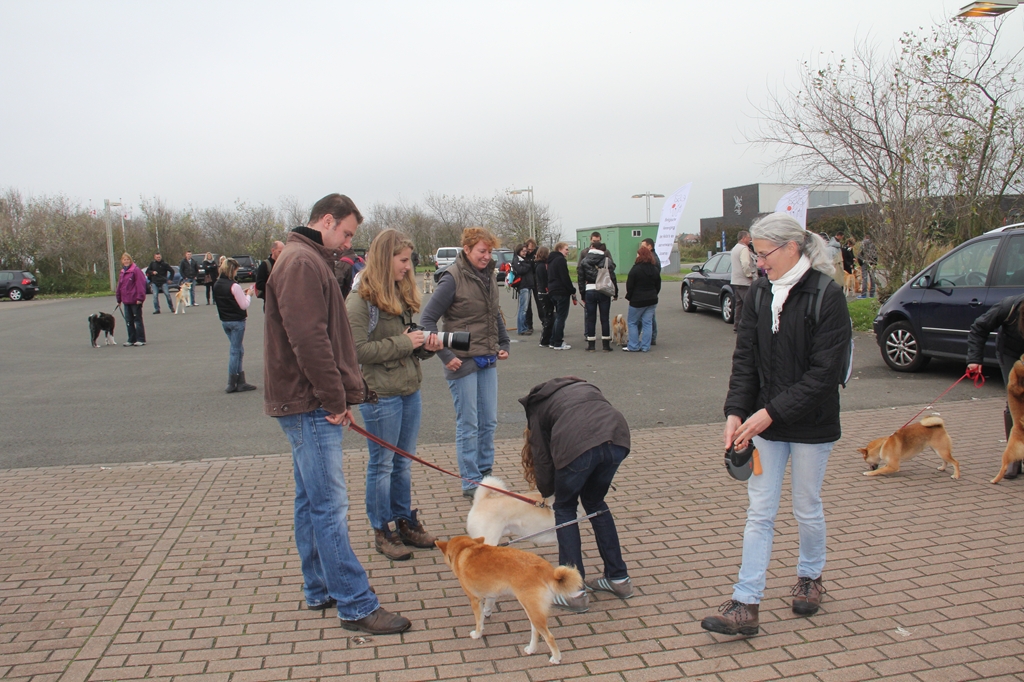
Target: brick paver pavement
x,y
188,571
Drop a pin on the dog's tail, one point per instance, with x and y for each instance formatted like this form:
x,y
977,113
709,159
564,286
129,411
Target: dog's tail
x,y
566,580
932,421
492,481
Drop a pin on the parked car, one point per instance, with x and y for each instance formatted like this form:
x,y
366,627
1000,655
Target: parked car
x,y
445,256
501,257
930,316
174,283
247,266
18,285
708,287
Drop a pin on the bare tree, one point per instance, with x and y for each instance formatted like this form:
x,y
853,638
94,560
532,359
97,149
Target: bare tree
x,y
934,119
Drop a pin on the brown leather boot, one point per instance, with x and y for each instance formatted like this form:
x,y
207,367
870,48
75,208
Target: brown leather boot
x,y
414,534
807,596
737,619
380,622
387,543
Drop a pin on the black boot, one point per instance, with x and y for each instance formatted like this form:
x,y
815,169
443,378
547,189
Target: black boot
x,y
241,385
590,345
606,344
232,383
1013,469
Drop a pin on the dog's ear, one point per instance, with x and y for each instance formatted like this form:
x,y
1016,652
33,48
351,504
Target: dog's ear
x,y
441,544
479,540
863,451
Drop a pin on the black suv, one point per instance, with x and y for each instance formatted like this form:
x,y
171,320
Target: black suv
x,y
930,315
246,268
18,285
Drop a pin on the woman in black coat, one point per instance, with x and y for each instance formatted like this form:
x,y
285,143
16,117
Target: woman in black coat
x,y
540,278
575,442
1005,319
560,289
784,396
643,284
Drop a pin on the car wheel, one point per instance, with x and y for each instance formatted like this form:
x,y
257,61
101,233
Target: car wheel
x,y
900,348
727,309
687,299
15,294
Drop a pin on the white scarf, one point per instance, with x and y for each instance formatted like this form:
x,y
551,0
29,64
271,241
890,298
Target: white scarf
x,y
781,287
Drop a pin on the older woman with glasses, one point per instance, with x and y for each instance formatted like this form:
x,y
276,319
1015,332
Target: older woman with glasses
x,y
784,396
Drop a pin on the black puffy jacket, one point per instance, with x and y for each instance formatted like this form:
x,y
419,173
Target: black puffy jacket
x,y
794,374
586,271
1002,316
523,268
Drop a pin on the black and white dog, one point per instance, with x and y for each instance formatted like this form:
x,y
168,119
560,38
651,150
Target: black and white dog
x,y
102,322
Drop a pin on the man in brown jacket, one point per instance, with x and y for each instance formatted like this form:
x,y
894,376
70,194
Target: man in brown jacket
x,y
312,379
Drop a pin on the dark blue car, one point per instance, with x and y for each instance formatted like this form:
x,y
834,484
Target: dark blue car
x,y
930,316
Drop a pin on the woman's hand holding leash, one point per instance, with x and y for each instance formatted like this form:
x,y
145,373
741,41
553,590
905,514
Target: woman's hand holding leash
x,y
739,433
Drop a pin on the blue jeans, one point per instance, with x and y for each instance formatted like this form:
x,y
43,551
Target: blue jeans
x,y
764,491
597,303
476,417
133,322
395,419
329,566
587,479
524,304
156,289
235,331
644,319
560,306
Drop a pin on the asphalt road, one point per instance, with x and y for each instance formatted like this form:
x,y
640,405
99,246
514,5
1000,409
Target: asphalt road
x,y
64,402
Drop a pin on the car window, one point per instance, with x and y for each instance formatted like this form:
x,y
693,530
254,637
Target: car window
x,y
1011,271
6,276
967,267
712,263
724,264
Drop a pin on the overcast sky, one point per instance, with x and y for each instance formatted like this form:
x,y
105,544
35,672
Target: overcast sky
x,y
203,103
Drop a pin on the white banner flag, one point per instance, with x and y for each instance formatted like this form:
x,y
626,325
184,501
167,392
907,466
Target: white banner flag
x,y
794,203
670,212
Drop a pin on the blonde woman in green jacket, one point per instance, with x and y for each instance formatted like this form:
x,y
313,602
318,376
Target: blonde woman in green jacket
x,y
380,312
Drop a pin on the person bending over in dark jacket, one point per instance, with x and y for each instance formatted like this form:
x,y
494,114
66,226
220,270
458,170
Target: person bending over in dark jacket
x,y
574,443
784,395
560,290
1004,318
642,288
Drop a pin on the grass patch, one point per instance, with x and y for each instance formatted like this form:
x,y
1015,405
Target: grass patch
x,y
863,312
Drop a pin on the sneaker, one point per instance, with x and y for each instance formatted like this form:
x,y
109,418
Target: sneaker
x,y
621,589
330,603
628,349
564,346
737,619
807,596
862,296
140,343
413,533
387,543
156,312
580,604
380,622
128,344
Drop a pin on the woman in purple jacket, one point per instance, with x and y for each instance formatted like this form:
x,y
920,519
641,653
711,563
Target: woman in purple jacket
x,y
131,293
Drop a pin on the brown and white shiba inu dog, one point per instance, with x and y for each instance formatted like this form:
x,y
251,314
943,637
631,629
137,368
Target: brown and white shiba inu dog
x,y
885,454
485,571
428,282
1015,400
181,299
493,515
620,335
850,283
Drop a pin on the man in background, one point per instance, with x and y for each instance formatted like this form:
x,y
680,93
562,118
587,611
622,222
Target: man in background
x,y
263,271
189,271
744,271
158,273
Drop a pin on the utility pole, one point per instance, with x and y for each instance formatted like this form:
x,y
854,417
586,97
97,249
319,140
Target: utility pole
x,y
110,245
648,196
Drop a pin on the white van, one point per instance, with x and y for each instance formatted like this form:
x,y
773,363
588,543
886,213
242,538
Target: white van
x,y
445,256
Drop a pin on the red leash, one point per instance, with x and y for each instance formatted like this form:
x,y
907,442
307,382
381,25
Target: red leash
x,y
979,381
384,444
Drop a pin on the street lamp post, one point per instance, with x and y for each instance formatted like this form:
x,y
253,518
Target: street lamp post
x,y
124,238
110,245
987,9
528,190
648,196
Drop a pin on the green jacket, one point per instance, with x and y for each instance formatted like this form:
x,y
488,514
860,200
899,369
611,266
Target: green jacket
x,y
386,357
